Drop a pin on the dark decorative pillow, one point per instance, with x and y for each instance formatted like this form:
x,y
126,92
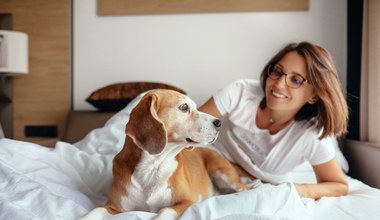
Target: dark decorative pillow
x,y
116,96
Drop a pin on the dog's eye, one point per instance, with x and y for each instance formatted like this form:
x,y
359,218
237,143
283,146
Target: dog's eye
x,y
184,107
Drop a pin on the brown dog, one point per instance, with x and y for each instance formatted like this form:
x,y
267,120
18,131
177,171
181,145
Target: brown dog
x,y
154,173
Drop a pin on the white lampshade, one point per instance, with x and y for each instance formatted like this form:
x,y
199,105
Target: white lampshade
x,y
13,52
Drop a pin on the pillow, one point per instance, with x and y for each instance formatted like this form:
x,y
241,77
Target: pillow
x,y
116,96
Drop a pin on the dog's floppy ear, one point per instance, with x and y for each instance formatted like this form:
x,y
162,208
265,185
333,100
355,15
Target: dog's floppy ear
x,y
145,128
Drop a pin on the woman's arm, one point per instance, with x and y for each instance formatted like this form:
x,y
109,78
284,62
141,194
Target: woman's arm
x,y
210,108
331,181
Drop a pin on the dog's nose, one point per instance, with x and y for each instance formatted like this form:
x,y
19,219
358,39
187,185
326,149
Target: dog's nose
x,y
217,123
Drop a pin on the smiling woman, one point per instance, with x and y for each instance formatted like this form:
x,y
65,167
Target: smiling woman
x,y
271,128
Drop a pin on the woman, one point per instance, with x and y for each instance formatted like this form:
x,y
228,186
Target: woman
x,y
270,128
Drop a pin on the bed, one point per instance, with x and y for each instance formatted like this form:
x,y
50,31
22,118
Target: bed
x,y
70,179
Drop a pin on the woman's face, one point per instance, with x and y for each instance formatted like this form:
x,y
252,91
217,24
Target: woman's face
x,y
281,97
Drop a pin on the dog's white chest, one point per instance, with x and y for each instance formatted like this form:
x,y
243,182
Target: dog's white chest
x,y
149,189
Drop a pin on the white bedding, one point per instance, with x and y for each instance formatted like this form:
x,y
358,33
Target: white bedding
x,y
68,181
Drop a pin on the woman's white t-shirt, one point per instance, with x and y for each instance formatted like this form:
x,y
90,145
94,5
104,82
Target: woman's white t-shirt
x,y
269,157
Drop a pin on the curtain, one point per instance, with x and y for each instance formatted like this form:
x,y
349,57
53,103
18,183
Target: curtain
x,y
370,73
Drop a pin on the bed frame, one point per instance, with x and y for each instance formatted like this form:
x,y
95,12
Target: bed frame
x,y
363,158
80,123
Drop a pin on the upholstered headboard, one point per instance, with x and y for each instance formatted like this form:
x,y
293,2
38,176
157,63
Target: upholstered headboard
x,y
80,123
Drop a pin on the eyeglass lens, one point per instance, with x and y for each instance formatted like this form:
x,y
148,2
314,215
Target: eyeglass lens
x,y
292,79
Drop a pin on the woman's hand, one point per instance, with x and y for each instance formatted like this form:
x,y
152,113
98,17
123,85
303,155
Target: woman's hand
x,y
331,182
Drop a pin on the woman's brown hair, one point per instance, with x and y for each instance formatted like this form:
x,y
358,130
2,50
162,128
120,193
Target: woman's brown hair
x,y
330,111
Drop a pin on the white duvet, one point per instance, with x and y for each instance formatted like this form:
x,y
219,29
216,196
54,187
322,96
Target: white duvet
x,y
69,180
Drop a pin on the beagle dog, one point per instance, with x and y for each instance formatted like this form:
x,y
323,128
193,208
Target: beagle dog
x,y
161,169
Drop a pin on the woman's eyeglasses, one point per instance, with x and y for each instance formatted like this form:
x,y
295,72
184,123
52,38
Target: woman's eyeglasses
x,y
293,80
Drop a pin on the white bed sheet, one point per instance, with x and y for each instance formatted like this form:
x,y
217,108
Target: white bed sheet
x,y
68,181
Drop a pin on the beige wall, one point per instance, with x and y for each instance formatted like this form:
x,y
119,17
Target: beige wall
x,y
199,53
43,97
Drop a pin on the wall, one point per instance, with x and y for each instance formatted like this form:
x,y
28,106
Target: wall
x,y
197,52
43,97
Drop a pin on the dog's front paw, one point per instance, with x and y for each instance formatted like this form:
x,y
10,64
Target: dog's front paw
x,y
242,188
166,214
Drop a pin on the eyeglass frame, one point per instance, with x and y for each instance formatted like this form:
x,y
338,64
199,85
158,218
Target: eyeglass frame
x,y
272,67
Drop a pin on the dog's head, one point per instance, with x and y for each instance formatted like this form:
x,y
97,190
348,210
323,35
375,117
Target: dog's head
x,y
166,116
